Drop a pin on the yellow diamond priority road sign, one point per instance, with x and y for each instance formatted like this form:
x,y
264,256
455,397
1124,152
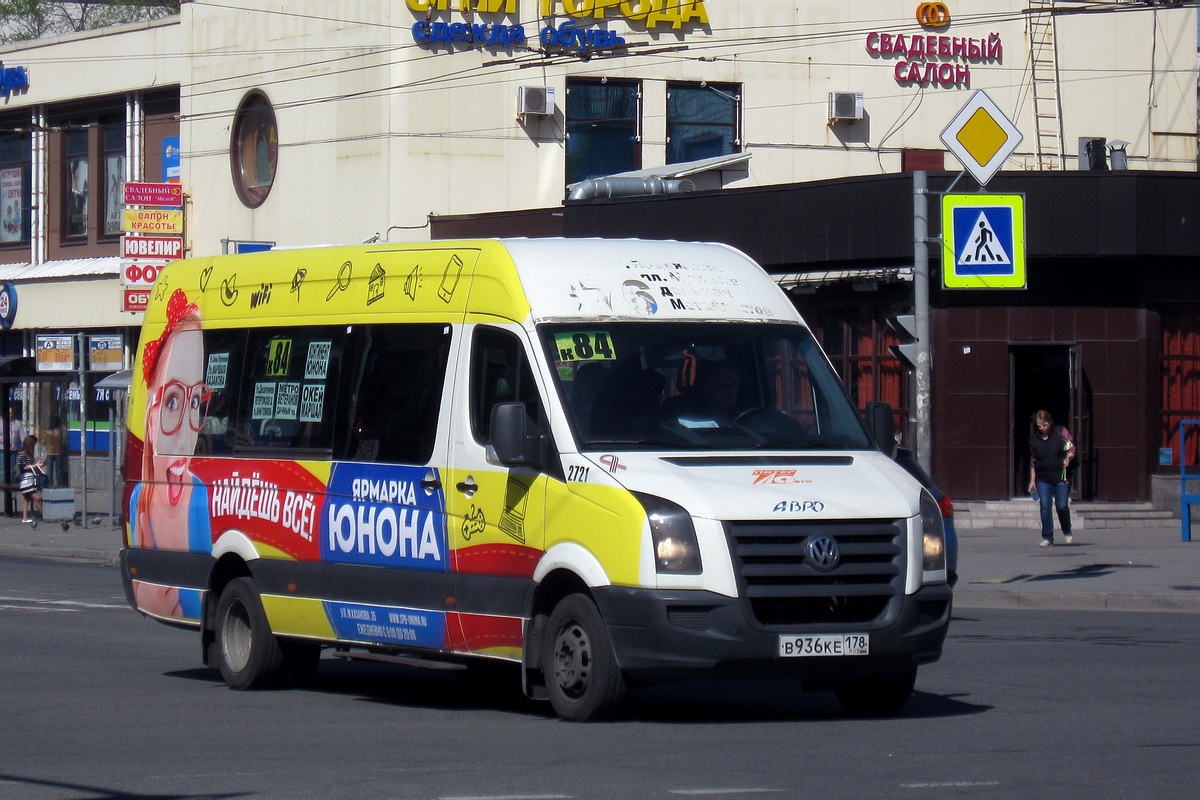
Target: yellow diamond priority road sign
x,y
981,137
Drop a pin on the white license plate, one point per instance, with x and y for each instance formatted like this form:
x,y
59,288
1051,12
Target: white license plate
x,y
826,644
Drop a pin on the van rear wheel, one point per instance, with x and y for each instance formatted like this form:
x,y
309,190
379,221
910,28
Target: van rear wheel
x,y
582,676
876,696
248,654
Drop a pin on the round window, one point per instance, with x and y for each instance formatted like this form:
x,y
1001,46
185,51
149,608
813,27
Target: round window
x,y
254,149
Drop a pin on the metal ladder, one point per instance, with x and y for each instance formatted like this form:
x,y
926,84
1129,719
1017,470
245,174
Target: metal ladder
x,y
1043,62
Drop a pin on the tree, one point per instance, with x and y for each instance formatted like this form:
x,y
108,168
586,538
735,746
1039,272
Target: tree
x,y
22,20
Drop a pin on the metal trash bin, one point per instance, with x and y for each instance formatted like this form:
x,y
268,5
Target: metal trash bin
x,y
58,505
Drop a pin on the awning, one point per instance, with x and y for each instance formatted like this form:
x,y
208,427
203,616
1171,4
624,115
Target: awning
x,y
103,267
118,380
23,369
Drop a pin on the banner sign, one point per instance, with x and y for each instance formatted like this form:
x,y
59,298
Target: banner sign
x,y
140,274
164,195
134,299
106,352
55,352
163,248
149,220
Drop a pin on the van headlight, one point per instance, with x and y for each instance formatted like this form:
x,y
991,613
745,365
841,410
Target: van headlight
x,y
676,550
933,536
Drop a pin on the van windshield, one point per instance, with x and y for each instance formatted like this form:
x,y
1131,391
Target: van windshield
x,y
700,386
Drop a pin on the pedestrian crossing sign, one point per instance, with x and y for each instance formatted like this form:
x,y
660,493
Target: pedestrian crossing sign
x,y
983,241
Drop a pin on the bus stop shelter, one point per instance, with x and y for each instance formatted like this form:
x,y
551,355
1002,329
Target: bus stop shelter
x,y
17,370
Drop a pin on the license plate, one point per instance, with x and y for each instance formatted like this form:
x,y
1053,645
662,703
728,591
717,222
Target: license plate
x,y
826,644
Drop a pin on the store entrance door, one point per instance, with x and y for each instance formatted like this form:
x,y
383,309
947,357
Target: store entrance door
x,y
1049,377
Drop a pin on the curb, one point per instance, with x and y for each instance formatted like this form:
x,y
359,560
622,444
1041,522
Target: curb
x,y
1078,601
55,554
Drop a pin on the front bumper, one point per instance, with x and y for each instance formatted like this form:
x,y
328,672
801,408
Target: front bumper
x,y
660,634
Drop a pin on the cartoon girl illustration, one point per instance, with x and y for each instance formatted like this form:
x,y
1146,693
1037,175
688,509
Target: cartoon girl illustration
x,y
169,508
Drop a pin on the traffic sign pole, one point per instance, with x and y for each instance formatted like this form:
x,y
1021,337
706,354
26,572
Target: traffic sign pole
x,y
922,371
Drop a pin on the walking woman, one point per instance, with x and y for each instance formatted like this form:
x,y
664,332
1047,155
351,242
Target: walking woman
x,y
1051,451
31,472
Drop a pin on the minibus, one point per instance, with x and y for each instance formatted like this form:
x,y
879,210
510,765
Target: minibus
x,y
601,462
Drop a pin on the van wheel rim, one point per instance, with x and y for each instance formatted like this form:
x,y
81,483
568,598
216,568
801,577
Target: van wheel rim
x,y
572,659
236,637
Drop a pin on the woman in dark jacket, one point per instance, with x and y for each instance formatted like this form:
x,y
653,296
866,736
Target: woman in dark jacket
x,y
1051,451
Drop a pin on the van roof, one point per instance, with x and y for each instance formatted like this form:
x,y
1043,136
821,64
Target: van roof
x,y
526,280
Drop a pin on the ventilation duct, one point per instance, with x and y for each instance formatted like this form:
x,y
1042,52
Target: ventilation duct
x,y
601,188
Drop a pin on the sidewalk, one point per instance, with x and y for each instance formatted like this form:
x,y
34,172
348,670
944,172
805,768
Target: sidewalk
x,y
1130,569
1148,569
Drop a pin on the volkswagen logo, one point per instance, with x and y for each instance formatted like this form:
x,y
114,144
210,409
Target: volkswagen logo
x,y
933,15
823,552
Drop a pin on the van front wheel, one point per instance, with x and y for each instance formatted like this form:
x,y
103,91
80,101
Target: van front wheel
x,y
248,654
582,677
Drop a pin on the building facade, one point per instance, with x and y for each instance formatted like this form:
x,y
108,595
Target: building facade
x,y
316,123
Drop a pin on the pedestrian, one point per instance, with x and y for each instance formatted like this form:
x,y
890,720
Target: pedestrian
x,y
16,437
1051,453
30,483
52,437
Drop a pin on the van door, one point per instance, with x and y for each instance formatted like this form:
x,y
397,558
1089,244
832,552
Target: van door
x,y
496,514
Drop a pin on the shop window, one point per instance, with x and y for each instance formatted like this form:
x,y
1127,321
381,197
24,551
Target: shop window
x,y
702,121
15,162
112,142
859,342
75,155
603,135
1180,393
254,149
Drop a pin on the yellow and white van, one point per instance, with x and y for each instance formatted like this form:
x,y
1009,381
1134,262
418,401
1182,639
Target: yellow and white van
x,y
601,460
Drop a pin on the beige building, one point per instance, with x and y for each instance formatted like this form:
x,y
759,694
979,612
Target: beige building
x,y
313,122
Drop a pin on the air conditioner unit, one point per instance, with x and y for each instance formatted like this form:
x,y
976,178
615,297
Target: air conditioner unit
x,y
845,106
537,100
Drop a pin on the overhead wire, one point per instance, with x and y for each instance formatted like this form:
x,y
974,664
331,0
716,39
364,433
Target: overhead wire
x,y
746,45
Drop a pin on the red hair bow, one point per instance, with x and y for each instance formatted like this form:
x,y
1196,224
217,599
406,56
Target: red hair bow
x,y
178,307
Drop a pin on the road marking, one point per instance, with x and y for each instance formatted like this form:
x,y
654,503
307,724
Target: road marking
x,y
724,791
950,785
53,605
508,797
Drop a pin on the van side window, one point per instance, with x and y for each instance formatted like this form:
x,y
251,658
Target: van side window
x,y
395,375
500,373
289,389
223,354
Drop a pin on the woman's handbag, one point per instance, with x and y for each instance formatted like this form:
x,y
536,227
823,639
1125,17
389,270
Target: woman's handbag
x,y
28,482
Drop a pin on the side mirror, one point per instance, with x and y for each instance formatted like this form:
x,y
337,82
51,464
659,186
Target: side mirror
x,y
507,443
882,427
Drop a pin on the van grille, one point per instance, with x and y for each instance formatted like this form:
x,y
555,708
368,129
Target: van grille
x,y
783,587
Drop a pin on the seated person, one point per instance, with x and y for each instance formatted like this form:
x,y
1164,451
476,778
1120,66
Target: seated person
x,y
711,402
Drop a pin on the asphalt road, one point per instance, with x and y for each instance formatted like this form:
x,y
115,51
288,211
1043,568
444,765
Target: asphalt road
x,y
101,703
